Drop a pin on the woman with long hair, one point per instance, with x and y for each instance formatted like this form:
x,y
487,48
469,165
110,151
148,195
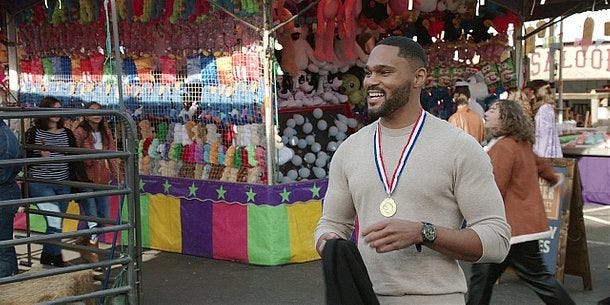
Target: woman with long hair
x,y
516,170
547,143
93,132
50,131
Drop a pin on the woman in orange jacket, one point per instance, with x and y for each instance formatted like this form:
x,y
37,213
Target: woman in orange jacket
x,y
516,170
94,133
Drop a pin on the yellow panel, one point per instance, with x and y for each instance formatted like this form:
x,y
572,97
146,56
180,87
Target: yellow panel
x,y
70,225
165,224
302,220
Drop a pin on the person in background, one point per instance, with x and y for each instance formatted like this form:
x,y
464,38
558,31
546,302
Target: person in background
x,y
461,87
519,96
431,176
516,170
530,95
547,143
50,131
10,148
93,132
467,119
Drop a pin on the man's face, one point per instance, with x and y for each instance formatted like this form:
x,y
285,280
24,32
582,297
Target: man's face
x,y
388,81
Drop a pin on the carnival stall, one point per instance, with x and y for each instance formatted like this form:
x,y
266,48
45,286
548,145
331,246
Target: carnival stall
x,y
240,105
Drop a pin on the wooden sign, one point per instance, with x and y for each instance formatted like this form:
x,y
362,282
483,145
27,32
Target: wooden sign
x,y
565,251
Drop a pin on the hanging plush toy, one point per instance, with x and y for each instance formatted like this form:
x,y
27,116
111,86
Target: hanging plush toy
x,y
304,56
327,12
144,68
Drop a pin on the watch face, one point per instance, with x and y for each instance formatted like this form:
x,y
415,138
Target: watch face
x,y
429,232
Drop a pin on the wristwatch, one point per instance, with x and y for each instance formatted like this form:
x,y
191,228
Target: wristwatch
x,y
428,233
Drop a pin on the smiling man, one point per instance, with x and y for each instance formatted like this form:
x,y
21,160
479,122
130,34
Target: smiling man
x,y
412,179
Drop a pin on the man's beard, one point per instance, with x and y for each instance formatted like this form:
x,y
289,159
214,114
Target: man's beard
x,y
399,98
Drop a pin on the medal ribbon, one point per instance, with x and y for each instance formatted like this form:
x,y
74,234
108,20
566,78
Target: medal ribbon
x,y
390,184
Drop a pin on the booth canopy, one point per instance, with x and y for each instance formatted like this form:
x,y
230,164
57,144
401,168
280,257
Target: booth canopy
x,y
533,10
527,9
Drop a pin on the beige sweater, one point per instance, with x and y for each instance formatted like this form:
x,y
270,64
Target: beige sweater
x,y
448,178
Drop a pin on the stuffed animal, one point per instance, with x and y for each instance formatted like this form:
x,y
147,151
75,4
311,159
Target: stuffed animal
x,y
145,165
164,168
353,89
155,156
327,12
304,56
212,134
187,170
283,36
254,175
146,129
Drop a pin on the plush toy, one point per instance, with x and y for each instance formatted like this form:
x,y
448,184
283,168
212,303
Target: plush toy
x,y
145,165
501,21
189,134
164,168
146,129
283,36
480,29
352,87
230,174
327,12
304,56
421,30
187,170
212,134
254,175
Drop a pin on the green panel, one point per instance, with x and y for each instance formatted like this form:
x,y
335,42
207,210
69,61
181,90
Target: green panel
x,y
145,226
37,222
144,218
268,235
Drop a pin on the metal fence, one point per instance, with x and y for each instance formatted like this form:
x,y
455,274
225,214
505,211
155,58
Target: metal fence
x,y
129,255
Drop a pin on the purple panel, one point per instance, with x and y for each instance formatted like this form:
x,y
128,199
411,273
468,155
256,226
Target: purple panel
x,y
196,218
206,190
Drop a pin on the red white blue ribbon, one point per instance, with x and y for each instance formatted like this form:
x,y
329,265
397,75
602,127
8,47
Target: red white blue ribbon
x,y
389,183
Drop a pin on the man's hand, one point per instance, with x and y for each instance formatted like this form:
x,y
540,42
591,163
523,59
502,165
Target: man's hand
x,y
392,234
322,241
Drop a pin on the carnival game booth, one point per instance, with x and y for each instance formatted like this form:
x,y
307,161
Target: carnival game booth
x,y
240,105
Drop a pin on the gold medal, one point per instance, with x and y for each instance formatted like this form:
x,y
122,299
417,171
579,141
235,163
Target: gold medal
x,y
387,207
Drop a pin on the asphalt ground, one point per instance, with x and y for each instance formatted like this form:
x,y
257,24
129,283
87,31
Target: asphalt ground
x,y
170,278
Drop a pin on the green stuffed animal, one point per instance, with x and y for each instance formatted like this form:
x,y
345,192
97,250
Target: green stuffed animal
x,y
353,89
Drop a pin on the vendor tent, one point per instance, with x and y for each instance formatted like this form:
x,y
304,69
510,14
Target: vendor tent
x,y
540,9
528,9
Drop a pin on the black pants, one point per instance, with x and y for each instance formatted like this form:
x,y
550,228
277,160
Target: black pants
x,y
526,259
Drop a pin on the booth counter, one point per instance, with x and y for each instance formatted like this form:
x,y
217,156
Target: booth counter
x,y
594,168
249,223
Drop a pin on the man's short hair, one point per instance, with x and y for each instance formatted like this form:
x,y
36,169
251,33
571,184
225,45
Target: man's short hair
x,y
408,48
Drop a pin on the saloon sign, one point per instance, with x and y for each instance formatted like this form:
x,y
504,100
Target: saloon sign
x,y
580,62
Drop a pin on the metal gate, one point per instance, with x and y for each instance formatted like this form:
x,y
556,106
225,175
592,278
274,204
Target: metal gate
x,y
129,258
